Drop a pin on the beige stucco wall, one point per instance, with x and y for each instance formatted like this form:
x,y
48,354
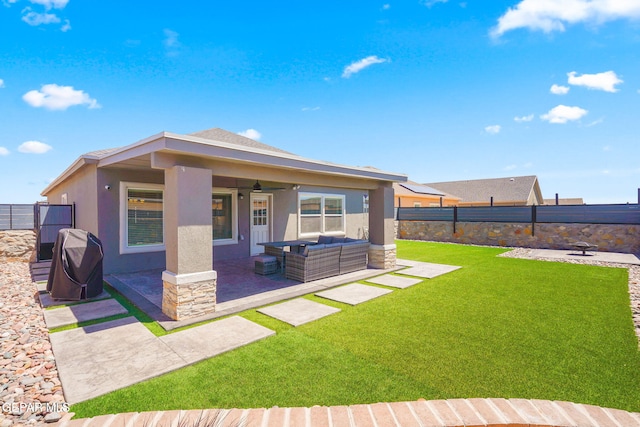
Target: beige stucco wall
x,y
608,237
81,191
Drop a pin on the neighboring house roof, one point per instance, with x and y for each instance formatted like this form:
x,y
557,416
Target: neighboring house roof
x,y
565,201
412,188
155,151
519,189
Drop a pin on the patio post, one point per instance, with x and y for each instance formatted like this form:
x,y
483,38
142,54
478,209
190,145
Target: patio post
x,y
189,282
382,252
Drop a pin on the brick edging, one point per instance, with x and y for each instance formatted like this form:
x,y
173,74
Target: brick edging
x,y
432,413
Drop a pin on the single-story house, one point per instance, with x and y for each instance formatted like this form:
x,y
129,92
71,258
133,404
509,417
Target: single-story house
x,y
414,195
511,191
182,202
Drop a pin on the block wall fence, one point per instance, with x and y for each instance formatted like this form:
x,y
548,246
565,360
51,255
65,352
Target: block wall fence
x,y
623,238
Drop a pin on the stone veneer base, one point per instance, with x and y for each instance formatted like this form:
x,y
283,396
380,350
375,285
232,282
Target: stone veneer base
x,y
382,256
188,295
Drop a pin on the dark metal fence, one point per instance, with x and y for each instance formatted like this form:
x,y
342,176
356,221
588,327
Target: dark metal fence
x,y
581,214
17,217
50,219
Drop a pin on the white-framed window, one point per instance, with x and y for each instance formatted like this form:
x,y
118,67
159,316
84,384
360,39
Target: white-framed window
x,y
417,204
321,214
141,217
224,216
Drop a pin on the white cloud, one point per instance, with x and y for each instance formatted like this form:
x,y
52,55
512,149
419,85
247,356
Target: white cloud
x,y
66,26
4,151
430,3
310,108
606,148
606,81
34,19
562,114
171,38
54,97
251,133
360,65
553,15
493,129
559,90
34,147
1,83
524,118
510,167
49,4
386,6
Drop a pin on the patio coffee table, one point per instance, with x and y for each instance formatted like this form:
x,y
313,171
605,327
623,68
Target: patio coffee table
x,y
277,248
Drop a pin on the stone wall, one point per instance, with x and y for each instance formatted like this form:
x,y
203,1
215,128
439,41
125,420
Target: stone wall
x,y
608,237
17,245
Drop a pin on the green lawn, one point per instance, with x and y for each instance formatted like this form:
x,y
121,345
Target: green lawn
x,y
498,327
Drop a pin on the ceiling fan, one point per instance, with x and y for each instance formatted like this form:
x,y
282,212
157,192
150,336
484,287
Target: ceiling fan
x,y
258,188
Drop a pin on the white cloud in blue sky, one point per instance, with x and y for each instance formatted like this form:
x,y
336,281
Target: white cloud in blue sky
x,y
430,3
4,151
523,119
549,16
360,65
1,83
606,81
562,114
493,129
42,14
54,97
559,90
251,133
34,147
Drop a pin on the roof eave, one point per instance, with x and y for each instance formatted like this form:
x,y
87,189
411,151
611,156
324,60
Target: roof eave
x,y
75,166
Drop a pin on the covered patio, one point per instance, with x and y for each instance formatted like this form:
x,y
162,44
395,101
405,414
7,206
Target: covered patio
x,y
239,288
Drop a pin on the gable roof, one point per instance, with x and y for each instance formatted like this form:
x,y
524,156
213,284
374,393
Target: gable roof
x,y
217,134
513,189
151,152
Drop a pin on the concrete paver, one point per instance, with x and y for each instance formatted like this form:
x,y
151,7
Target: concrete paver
x,y
298,311
353,294
394,281
77,313
428,270
203,342
98,359
46,300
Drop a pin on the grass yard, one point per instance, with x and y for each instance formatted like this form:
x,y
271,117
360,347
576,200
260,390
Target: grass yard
x,y
498,327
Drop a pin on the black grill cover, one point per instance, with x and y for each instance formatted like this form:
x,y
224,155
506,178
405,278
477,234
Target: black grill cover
x,y
76,267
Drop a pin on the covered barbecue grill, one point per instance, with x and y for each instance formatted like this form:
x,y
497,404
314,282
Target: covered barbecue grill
x,y
76,268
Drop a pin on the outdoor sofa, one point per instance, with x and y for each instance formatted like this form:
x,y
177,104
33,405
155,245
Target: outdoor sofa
x,y
330,256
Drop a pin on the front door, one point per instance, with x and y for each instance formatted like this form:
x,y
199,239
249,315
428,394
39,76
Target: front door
x,y
260,221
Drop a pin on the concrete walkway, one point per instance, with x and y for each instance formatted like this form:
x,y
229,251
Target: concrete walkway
x,y
432,413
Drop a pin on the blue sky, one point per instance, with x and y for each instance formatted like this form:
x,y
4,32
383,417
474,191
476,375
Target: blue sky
x,y
439,90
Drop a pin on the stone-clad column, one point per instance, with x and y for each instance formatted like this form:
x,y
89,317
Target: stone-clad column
x,y
189,282
382,252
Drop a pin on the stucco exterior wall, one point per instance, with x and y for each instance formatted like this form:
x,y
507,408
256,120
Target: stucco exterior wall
x,y
81,191
608,237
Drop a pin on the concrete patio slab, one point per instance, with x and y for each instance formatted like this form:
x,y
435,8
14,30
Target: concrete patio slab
x,y
354,293
77,313
394,281
46,300
428,270
590,256
98,359
212,339
298,311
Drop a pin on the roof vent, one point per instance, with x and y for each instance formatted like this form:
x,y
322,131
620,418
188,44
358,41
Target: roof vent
x,y
512,179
